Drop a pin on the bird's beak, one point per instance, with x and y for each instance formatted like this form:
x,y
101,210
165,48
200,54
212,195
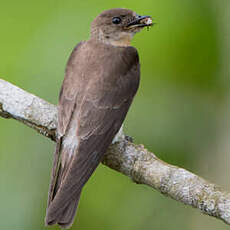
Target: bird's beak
x,y
140,21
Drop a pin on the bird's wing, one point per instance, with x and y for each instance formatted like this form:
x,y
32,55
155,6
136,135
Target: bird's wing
x,y
71,88
97,117
67,103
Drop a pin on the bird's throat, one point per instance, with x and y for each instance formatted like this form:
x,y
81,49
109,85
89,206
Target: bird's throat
x,y
124,41
121,40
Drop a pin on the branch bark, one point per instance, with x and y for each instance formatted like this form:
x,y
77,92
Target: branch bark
x,y
134,161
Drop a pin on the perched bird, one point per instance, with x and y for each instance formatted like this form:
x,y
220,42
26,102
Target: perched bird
x,y
101,79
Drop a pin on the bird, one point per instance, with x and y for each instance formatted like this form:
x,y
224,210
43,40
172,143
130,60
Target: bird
x,y
101,79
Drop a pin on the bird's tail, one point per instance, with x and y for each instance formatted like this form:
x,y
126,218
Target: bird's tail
x,y
66,218
58,211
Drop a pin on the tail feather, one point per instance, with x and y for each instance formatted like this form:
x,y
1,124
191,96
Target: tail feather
x,y
68,215
62,214
55,171
66,218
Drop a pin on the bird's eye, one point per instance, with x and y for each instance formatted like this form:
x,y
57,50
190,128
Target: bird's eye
x,y
116,20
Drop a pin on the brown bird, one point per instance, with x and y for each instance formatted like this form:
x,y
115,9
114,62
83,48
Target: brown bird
x,y
101,79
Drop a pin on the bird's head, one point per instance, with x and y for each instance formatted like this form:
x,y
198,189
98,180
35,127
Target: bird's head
x,y
118,26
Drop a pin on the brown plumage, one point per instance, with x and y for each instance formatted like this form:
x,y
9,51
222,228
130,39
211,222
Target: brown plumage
x,y
101,79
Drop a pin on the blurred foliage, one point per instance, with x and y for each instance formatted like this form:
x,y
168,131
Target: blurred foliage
x,y
174,114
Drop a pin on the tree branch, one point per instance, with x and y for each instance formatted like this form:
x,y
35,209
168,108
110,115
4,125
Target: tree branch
x,y
142,166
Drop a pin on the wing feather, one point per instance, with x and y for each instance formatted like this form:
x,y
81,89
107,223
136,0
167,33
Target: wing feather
x,y
66,106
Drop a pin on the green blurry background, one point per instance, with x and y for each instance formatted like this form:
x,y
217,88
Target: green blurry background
x,y
181,111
